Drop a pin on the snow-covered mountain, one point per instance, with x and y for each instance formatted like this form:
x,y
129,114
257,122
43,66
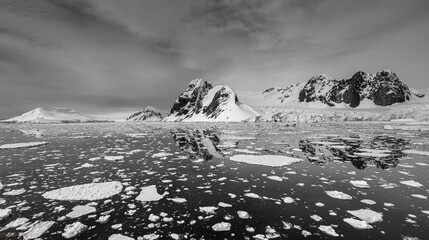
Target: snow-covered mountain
x,y
362,90
149,114
203,102
53,115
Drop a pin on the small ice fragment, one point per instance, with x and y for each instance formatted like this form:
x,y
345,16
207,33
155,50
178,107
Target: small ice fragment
x,y
222,204
177,200
15,192
416,152
367,215
103,219
221,227
338,195
412,183
149,194
22,145
316,218
74,229
15,223
243,214
288,200
358,224
420,196
359,184
252,195
328,230
113,158
208,210
80,210
119,237
368,201
161,155
153,218
5,213
38,229
275,178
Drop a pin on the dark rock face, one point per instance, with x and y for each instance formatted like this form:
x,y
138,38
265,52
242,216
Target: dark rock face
x,y
204,102
383,88
191,98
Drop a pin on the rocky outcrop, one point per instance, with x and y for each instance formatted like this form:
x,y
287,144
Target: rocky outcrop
x,y
149,114
382,88
203,102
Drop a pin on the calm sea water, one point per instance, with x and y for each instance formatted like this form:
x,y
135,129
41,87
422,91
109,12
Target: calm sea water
x,y
206,183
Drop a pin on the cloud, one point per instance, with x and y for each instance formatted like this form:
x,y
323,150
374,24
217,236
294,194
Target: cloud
x,y
101,54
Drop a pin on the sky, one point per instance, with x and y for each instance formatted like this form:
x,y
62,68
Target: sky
x,y
110,56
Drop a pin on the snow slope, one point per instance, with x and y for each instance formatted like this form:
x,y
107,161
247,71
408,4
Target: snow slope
x,y
202,102
52,115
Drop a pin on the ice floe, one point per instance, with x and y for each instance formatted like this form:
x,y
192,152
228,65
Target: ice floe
x,y
367,215
420,196
222,226
149,194
288,200
177,200
208,210
252,195
89,191
222,204
338,195
364,152
243,214
328,230
22,145
368,201
266,160
5,213
74,229
14,192
38,229
81,210
15,223
424,153
359,183
275,178
119,237
412,183
358,224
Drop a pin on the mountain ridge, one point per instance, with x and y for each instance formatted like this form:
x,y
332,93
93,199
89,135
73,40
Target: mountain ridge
x,y
53,115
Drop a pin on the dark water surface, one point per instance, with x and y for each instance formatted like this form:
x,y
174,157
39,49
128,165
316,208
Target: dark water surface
x,y
191,173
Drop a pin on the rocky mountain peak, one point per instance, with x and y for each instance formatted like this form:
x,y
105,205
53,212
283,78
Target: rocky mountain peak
x,y
382,88
202,101
149,114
